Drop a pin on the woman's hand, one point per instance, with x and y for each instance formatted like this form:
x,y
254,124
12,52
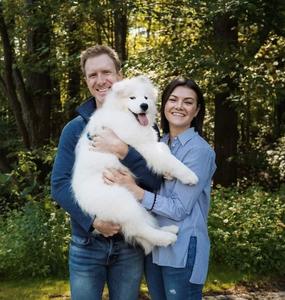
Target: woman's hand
x,y
108,141
106,228
124,178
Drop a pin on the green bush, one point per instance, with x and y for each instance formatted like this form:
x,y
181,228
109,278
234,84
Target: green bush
x,y
34,241
34,233
247,229
276,159
29,180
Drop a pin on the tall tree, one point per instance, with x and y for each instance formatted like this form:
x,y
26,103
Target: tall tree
x,y
29,89
120,27
38,78
8,81
226,121
74,47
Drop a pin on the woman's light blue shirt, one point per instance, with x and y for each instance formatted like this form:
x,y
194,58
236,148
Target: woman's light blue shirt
x,y
186,206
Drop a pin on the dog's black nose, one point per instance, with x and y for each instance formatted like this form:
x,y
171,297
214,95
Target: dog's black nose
x,y
144,106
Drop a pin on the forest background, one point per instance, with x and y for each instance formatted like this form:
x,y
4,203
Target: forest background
x,y
235,50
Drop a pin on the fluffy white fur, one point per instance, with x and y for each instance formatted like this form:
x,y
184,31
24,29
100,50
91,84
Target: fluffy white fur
x,y
129,101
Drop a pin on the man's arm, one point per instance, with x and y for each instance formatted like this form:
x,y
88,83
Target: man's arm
x,y
108,141
62,173
145,178
61,181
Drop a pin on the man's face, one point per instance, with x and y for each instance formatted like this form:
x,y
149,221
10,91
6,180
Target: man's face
x,y
100,74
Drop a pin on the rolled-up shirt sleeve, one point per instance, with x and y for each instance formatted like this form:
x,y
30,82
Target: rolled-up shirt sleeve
x,y
182,198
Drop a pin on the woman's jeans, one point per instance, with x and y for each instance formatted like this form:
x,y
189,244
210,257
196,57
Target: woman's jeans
x,y
98,260
168,283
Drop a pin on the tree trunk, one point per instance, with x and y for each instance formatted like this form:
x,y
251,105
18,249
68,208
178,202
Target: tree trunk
x,y
226,121
74,71
30,98
4,164
279,120
38,80
10,88
120,29
226,137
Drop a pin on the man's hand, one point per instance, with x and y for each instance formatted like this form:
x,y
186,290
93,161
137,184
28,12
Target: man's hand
x,y
108,141
106,228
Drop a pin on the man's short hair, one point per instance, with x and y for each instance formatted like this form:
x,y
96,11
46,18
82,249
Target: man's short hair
x,y
99,50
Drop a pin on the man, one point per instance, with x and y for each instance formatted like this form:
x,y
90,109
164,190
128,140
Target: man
x,y
98,253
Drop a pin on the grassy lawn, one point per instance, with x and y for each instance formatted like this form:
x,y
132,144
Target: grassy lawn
x,y
34,289
219,279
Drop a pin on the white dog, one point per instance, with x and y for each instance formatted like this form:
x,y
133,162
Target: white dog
x,y
129,110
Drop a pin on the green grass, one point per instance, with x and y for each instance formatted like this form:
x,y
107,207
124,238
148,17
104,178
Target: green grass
x,y
34,289
39,289
219,280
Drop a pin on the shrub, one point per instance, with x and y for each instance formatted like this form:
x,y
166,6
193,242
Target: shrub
x,y
247,229
276,159
34,241
29,179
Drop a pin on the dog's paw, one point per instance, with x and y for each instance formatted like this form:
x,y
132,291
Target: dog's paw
x,y
168,176
146,245
171,228
166,239
189,178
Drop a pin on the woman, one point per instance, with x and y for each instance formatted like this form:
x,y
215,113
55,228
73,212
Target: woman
x,y
179,271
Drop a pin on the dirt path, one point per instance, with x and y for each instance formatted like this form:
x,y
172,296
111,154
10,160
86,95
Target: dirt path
x,y
249,296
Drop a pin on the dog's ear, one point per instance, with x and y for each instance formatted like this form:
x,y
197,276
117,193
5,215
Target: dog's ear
x,y
119,88
151,88
144,79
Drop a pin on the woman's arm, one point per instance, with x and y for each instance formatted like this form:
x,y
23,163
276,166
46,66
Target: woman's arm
x,y
182,198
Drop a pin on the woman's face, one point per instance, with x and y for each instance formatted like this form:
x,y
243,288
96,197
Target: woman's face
x,y
180,109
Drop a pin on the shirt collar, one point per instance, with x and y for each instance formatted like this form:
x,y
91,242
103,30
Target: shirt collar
x,y
87,108
183,137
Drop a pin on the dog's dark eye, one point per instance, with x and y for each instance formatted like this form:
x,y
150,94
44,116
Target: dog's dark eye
x,y
145,97
133,98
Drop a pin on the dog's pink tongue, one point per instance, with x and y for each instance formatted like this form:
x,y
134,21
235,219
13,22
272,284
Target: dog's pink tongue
x,y
143,119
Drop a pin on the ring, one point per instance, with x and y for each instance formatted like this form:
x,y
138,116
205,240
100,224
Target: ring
x,y
89,136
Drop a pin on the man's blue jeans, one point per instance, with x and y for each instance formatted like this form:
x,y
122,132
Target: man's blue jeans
x,y
98,260
167,283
